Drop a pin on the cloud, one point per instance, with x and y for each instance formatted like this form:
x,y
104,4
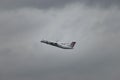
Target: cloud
x,y
46,4
95,57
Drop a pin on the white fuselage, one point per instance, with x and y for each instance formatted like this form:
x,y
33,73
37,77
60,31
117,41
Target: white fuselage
x,y
60,45
64,46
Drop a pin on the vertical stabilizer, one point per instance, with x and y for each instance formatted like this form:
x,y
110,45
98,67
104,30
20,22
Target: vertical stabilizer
x,y
72,44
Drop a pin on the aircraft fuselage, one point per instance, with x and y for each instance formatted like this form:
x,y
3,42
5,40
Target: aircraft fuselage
x,y
63,46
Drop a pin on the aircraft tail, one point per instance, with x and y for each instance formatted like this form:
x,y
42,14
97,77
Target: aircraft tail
x,y
72,44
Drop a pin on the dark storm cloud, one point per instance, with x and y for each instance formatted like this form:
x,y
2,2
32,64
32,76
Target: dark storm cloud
x,y
13,4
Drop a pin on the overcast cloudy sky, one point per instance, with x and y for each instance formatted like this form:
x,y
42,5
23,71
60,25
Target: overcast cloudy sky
x,y
93,24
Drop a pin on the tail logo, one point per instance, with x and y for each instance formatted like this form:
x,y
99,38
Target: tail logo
x,y
73,44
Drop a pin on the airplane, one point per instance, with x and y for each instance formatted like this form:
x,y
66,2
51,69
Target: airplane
x,y
60,45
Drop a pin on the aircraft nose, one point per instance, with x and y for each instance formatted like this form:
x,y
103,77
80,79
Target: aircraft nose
x,y
41,41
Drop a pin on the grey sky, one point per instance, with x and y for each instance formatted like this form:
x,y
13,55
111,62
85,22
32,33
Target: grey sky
x,y
96,29
13,4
